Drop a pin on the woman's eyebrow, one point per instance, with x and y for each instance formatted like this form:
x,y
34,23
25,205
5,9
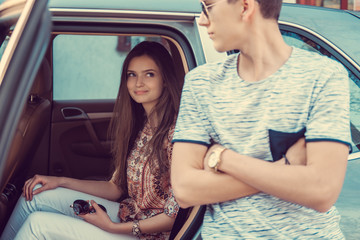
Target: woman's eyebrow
x,y
149,70
146,70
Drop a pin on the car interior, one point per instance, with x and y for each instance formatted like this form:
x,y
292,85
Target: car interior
x,y
68,136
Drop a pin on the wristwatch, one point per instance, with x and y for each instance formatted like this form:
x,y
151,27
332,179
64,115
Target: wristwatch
x,y
215,158
136,229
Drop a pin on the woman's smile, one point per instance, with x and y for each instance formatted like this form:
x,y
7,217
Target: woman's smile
x,y
141,92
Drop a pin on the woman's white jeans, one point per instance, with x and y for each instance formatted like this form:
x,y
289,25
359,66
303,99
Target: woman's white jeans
x,y
49,216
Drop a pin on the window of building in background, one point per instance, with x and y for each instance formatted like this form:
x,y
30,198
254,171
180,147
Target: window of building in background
x,y
339,4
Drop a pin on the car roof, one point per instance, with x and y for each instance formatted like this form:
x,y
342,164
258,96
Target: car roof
x,y
188,6
342,28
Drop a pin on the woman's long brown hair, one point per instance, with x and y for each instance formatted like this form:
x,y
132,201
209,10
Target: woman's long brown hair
x,y
129,117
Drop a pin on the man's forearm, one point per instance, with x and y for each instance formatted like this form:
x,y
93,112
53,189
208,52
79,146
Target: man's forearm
x,y
315,185
193,185
198,187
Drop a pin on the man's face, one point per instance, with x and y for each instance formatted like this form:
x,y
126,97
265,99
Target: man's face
x,y
223,23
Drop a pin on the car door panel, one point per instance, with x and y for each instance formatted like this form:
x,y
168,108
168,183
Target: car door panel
x,y
80,146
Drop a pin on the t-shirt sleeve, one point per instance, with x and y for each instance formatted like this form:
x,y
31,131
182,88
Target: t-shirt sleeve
x,y
329,118
191,122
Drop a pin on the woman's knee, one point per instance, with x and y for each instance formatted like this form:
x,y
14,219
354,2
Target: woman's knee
x,y
33,225
37,218
44,201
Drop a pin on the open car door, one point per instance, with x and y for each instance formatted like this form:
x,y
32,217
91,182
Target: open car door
x,y
25,27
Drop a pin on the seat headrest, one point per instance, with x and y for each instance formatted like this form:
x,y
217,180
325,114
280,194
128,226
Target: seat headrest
x,y
42,82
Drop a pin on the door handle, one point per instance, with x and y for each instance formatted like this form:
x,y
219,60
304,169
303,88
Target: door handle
x,y
74,113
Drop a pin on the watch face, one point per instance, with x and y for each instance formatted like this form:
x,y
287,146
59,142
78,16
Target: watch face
x,y
212,160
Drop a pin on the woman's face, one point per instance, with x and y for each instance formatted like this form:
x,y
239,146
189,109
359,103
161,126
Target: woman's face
x,y
144,82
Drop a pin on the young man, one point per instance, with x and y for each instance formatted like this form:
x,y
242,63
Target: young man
x,y
254,106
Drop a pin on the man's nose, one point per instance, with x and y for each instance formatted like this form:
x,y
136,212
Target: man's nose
x,y
203,20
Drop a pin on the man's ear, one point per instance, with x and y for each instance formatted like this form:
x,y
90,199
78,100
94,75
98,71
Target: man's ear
x,y
248,8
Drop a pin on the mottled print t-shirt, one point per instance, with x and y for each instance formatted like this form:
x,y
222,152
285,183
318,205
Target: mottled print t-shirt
x,y
308,95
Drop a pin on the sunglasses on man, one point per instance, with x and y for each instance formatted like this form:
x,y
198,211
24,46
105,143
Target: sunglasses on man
x,y
205,8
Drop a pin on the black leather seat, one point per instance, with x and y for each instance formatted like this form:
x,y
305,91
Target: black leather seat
x,y
187,223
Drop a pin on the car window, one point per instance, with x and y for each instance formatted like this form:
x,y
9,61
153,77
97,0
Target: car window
x,y
81,68
348,201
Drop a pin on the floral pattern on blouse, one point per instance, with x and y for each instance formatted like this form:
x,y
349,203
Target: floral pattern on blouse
x,y
156,195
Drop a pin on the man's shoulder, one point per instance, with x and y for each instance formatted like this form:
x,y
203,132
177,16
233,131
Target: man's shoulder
x,y
313,59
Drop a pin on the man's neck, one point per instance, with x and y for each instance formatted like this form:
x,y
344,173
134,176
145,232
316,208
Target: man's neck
x,y
264,54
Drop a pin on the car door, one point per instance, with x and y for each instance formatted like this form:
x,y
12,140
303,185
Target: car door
x,y
22,51
347,203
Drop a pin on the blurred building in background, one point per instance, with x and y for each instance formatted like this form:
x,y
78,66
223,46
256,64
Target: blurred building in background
x,y
340,4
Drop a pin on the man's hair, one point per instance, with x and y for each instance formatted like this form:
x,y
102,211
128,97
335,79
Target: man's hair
x,y
268,8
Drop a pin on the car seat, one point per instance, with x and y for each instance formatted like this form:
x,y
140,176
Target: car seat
x,y
188,223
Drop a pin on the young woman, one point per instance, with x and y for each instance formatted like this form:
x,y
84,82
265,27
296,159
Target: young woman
x,y
142,129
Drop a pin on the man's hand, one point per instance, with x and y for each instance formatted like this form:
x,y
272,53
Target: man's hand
x,y
296,154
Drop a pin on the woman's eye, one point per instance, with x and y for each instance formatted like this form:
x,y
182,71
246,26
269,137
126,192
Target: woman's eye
x,y
130,74
150,74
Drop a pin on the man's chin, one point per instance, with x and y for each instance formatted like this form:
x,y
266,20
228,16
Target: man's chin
x,y
220,48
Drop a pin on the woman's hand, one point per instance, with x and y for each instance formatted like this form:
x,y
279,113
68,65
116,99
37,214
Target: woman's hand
x,y
99,218
47,183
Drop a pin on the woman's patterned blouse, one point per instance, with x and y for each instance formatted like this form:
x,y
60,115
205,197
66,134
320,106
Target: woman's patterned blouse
x,y
149,191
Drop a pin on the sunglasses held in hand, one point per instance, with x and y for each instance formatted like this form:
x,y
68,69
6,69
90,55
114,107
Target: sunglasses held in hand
x,y
83,207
